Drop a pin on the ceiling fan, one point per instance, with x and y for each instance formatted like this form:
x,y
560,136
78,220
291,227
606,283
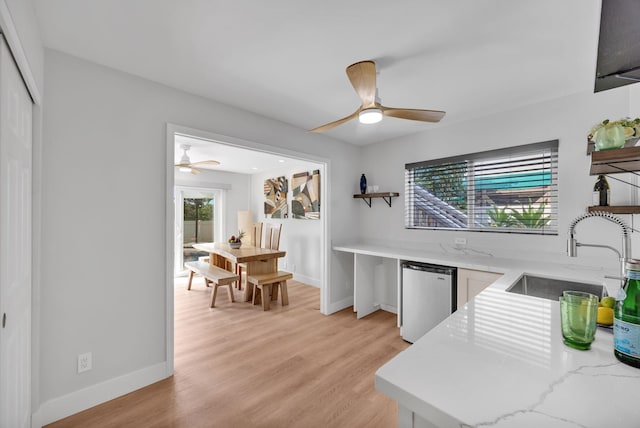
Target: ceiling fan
x,y
362,76
185,164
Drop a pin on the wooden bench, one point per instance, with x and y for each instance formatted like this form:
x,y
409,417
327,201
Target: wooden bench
x,y
266,288
218,276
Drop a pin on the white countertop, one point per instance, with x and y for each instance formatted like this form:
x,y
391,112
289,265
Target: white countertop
x,y
512,268
499,360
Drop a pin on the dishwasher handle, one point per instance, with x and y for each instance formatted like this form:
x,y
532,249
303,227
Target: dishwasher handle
x,y
443,270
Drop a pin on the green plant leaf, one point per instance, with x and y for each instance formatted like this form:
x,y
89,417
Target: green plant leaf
x,y
499,217
531,216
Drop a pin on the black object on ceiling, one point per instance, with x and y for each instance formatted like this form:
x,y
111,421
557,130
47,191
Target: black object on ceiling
x,y
619,44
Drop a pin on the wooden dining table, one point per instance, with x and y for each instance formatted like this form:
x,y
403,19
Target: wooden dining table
x,y
258,260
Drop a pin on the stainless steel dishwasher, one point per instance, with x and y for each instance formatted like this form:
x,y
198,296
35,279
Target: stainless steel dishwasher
x,y
428,297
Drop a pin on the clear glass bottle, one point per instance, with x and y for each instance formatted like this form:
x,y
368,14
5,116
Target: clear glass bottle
x,y
626,317
601,192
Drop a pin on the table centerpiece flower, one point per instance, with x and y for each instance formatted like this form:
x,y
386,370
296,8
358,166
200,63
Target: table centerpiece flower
x,y
236,240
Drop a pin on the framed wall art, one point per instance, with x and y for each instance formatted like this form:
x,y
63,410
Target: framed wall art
x,y
275,197
305,202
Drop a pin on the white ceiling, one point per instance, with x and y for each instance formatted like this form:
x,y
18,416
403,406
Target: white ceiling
x,y
236,159
286,59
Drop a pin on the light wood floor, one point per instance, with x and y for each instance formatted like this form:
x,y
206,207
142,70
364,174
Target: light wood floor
x,y
237,366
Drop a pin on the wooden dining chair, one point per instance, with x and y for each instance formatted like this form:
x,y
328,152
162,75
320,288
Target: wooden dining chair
x,y
255,240
266,286
272,233
256,234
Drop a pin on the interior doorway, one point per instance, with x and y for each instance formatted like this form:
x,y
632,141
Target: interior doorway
x,y
238,197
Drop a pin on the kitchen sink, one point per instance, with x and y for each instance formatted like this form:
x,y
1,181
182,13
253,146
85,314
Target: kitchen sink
x,y
551,288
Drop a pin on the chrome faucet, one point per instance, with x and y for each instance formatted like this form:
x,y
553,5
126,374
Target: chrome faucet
x,y
573,244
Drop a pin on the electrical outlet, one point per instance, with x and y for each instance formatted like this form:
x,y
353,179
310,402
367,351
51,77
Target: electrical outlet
x,y
460,241
84,362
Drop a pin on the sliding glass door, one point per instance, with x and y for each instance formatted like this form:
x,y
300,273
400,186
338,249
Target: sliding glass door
x,y
197,226
198,219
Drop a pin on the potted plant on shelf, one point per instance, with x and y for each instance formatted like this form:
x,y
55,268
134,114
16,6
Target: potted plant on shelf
x,y
235,241
614,134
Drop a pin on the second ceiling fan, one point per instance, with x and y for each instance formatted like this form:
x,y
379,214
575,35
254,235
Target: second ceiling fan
x,y
362,76
185,164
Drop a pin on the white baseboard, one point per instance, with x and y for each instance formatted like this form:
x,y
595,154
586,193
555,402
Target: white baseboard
x,y
77,401
307,280
389,308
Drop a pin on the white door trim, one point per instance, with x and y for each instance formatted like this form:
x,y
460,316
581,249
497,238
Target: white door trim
x,y
8,28
169,242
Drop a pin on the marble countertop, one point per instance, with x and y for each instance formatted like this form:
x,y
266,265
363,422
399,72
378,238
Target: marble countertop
x,y
512,268
499,360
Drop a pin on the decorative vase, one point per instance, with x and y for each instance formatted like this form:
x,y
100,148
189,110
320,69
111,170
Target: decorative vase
x,y
363,184
235,245
609,137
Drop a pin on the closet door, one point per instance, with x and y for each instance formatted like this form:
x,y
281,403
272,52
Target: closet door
x,y
15,245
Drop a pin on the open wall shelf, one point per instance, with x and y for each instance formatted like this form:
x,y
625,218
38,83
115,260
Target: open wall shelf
x,y
618,209
616,161
366,197
626,159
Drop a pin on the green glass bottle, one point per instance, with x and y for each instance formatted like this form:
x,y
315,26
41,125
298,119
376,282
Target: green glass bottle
x,y
601,192
626,317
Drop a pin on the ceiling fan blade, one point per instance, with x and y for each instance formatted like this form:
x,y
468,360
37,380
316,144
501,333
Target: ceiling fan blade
x,y
362,76
195,171
413,114
210,162
332,125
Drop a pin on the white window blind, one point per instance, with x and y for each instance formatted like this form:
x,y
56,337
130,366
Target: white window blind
x,y
513,190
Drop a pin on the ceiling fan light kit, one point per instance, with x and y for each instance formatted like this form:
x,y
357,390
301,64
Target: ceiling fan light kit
x,y
370,115
185,164
184,160
362,76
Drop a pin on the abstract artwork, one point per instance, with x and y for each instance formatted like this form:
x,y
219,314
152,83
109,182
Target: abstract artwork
x,y
275,198
305,203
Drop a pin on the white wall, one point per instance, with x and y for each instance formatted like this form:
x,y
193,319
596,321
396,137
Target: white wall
x,y
568,119
104,152
301,239
634,101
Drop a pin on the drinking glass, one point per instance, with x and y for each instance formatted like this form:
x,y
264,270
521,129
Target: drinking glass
x,y
578,314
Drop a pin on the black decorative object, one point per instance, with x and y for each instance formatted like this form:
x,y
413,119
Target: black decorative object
x,y
363,184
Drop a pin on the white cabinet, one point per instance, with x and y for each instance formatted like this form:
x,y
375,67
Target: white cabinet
x,y
377,273
375,284
471,282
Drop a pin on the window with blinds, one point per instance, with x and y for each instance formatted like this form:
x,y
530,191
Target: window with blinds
x,y
513,190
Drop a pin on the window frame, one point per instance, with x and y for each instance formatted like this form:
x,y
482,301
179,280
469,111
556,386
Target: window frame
x,y
459,220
